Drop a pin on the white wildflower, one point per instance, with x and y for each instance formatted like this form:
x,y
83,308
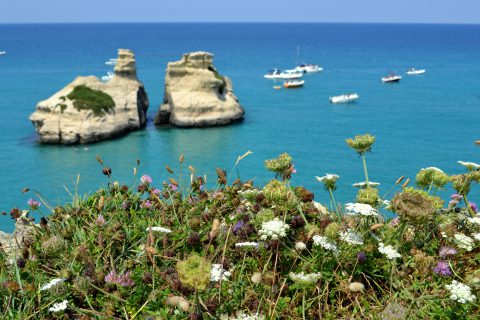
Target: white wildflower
x,y
474,220
59,306
52,283
246,245
389,251
160,229
469,165
386,203
300,246
325,243
363,184
444,234
304,279
463,241
243,316
218,273
476,236
460,292
351,237
360,208
273,229
327,177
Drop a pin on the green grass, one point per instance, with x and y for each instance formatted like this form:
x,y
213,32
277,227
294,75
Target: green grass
x,y
97,101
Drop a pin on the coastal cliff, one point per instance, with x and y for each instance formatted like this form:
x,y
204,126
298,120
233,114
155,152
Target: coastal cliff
x,y
89,110
196,95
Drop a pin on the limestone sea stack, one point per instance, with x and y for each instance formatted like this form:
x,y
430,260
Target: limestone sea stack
x,y
197,95
89,110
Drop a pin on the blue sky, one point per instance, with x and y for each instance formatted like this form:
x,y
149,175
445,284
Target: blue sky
x,y
409,11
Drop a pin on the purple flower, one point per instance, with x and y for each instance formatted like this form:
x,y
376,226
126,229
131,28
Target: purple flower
x,y
156,192
445,252
452,203
100,221
292,169
173,187
394,222
473,205
456,197
33,203
146,179
238,227
442,268
123,280
147,204
361,257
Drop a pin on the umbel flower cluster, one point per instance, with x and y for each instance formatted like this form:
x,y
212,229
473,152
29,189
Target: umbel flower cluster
x,y
180,248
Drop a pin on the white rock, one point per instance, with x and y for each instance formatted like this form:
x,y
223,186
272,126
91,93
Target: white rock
x,y
196,95
70,125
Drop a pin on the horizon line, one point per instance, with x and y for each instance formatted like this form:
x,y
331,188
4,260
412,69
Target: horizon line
x,y
240,22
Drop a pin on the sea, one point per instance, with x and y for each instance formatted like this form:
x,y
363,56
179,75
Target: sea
x,y
422,121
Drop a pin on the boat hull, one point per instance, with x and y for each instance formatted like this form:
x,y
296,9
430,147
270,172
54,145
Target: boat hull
x,y
345,98
293,84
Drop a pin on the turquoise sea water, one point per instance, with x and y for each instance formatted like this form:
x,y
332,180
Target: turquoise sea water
x,y
429,120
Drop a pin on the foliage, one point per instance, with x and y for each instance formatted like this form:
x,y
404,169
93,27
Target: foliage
x,y
150,251
86,98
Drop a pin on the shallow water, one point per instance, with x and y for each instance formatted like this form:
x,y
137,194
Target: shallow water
x,y
429,120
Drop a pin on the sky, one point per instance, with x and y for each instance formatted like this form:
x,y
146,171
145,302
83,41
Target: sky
x,y
370,11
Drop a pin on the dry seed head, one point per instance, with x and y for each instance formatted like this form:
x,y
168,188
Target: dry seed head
x,y
173,181
99,159
356,287
181,158
215,228
405,184
168,169
101,203
399,180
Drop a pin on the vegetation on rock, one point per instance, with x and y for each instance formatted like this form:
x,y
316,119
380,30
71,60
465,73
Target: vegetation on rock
x,y
85,98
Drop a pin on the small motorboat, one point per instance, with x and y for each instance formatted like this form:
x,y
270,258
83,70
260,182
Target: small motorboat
x,y
391,78
308,68
344,98
3,53
111,62
293,84
284,75
413,71
108,77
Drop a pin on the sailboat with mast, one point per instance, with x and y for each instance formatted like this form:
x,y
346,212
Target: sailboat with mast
x,y
306,67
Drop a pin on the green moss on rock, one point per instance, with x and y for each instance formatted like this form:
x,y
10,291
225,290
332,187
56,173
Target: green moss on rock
x,y
88,99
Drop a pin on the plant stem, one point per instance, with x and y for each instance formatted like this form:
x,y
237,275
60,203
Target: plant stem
x,y
365,168
334,203
470,210
303,304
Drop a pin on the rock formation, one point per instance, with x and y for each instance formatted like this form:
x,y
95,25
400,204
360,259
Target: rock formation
x,y
88,110
196,95
13,243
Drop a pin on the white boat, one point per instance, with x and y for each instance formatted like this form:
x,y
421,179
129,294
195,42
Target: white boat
x,y
111,62
413,71
308,68
293,84
108,77
344,98
285,75
3,53
391,78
